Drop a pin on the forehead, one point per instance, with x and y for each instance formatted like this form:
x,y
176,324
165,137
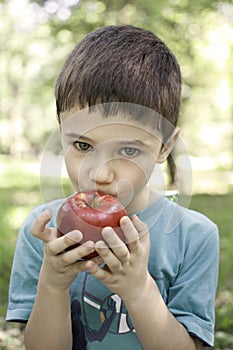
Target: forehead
x,y
96,126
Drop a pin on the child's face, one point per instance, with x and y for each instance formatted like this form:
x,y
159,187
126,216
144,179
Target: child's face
x,y
112,154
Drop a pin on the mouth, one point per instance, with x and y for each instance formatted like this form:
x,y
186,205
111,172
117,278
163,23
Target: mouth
x,y
115,195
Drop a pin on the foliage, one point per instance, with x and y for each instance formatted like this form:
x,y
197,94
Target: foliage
x,y
42,33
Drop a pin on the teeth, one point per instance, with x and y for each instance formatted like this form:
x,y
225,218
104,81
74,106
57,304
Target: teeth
x,y
81,204
84,196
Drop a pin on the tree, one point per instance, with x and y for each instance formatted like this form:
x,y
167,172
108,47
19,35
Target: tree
x,y
44,32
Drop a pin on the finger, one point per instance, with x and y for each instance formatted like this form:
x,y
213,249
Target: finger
x,y
78,253
131,234
117,246
103,250
98,260
80,265
111,238
39,229
94,269
59,245
141,227
109,257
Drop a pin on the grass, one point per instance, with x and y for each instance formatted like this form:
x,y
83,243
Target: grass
x,y
19,187
219,209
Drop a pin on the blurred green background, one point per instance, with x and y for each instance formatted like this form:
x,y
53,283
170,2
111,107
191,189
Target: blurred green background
x,y
36,37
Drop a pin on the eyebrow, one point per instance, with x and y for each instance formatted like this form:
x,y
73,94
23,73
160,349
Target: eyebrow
x,y
88,140
77,136
141,143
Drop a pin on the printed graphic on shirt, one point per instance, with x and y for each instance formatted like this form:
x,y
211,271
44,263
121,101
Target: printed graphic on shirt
x,y
112,314
98,313
78,331
108,312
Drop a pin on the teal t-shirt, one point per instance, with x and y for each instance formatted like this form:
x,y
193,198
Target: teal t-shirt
x,y
184,260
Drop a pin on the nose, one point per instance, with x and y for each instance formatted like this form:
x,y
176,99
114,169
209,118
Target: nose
x,y
102,173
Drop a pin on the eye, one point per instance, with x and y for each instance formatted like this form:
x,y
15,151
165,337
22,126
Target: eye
x,y
129,151
82,146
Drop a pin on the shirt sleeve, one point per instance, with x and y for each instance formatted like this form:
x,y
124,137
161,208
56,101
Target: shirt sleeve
x,y
191,298
25,271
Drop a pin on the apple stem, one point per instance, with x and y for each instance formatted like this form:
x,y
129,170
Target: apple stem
x,y
88,205
96,200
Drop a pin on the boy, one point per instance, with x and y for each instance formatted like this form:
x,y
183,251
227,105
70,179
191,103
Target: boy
x,y
118,98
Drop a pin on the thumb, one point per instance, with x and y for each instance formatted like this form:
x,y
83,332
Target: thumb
x,y
39,229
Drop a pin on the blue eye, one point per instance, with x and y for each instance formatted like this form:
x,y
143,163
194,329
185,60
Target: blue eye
x,y
129,151
82,146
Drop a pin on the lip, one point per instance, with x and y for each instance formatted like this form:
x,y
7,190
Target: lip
x,y
115,195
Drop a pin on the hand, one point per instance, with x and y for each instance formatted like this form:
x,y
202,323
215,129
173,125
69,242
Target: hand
x,y
126,270
60,267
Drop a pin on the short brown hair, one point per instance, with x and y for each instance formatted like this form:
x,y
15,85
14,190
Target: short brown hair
x,y
121,64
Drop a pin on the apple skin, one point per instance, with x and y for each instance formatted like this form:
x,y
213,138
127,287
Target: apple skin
x,y
89,212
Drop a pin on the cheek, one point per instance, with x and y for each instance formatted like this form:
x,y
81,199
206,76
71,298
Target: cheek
x,y
132,178
130,184
140,180
73,167
141,171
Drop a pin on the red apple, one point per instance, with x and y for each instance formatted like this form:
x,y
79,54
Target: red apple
x,y
89,212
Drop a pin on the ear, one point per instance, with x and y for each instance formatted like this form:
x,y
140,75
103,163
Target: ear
x,y
168,147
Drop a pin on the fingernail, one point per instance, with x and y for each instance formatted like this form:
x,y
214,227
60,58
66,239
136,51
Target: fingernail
x,y
89,244
107,230
75,235
101,245
99,260
46,214
125,220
